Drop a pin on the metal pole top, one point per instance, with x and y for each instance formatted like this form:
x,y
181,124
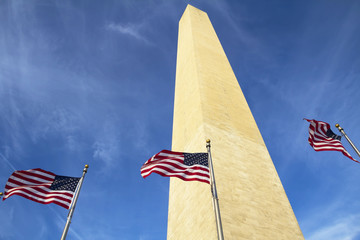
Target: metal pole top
x,y
1,194
86,167
338,127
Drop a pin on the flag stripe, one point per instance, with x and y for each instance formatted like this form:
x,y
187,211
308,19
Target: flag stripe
x,y
43,190
190,172
171,164
41,176
30,197
38,193
185,178
321,142
176,165
34,184
23,180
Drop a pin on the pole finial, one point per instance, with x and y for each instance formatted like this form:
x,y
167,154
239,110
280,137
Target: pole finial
x,y
207,140
86,168
338,126
1,194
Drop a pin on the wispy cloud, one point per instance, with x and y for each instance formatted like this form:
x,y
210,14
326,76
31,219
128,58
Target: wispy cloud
x,y
340,229
61,223
106,146
6,160
129,29
105,150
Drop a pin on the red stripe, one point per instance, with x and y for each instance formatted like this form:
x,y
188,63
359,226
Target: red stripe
x,y
32,171
32,174
54,195
181,177
187,172
29,179
35,200
39,189
20,184
163,161
171,152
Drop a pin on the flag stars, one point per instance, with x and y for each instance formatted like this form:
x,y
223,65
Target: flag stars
x,y
196,158
64,183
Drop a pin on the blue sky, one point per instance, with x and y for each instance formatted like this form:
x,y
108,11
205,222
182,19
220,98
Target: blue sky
x,y
92,82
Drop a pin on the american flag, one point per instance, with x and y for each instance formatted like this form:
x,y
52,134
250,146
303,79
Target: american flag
x,y
186,166
42,186
322,138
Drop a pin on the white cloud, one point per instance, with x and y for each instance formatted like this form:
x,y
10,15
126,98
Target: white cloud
x,y
105,150
7,162
340,229
131,30
106,147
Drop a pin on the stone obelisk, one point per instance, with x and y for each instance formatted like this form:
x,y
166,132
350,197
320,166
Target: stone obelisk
x,y
209,104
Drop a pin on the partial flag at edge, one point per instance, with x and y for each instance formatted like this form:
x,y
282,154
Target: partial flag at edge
x,y
322,138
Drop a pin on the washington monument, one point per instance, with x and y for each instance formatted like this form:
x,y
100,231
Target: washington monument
x,y
209,104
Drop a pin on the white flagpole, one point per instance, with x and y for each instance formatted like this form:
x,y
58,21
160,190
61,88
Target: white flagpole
x,y
347,138
71,212
214,194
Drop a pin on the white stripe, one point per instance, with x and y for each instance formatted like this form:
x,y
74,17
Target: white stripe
x,y
182,174
176,170
327,139
173,169
39,198
166,163
170,155
39,173
25,182
45,188
176,162
329,147
45,185
335,144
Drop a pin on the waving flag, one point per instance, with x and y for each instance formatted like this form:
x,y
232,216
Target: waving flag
x,y
42,186
322,138
186,166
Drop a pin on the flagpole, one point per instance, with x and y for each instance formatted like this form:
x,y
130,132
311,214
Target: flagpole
x,y
1,195
347,138
71,212
214,194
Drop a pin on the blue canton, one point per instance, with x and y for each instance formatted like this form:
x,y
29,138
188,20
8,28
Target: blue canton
x,y
196,158
332,135
64,183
